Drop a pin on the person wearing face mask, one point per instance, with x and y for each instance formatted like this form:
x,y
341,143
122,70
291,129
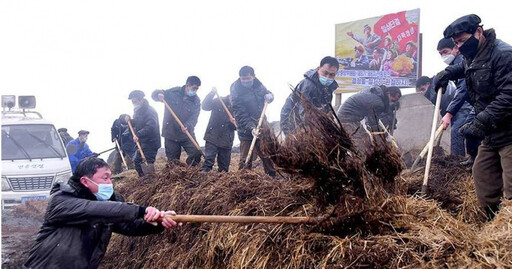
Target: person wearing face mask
x,y
78,149
248,96
146,127
487,69
121,133
186,104
459,111
317,88
81,216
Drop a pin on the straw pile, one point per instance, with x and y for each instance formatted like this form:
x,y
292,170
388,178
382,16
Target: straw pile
x,y
370,221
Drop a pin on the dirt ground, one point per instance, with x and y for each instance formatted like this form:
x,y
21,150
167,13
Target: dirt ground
x,y
19,231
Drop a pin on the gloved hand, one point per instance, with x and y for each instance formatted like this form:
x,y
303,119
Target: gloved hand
x,y
394,105
441,80
269,97
255,133
475,129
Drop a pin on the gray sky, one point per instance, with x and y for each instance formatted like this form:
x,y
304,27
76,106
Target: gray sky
x,y
82,58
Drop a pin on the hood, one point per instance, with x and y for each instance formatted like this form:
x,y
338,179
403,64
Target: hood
x,y
312,75
73,188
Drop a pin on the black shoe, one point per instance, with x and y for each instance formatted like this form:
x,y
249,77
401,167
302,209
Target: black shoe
x,y
468,162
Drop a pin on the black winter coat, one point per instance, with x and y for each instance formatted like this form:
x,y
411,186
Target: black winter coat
x,y
369,103
147,128
124,137
187,109
313,91
77,228
489,83
220,130
247,106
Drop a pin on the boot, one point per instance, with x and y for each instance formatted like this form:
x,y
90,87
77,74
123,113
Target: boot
x,y
469,162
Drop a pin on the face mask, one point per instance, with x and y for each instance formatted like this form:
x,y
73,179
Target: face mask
x,y
105,191
191,93
84,140
448,59
247,83
325,81
469,48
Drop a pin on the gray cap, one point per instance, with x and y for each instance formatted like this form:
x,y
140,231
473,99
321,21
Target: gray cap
x,y
83,132
465,24
136,94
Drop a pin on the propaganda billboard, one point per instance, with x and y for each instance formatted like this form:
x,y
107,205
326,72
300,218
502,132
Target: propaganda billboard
x,y
378,50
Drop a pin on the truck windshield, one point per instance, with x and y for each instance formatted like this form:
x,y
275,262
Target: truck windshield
x,y
35,141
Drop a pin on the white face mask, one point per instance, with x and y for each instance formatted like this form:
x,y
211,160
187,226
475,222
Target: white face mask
x,y
448,59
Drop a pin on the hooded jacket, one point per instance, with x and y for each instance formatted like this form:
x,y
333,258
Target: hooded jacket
x,y
187,109
121,132
489,83
220,130
369,103
247,105
77,228
312,91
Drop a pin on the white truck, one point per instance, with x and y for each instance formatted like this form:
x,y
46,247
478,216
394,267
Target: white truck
x,y
33,154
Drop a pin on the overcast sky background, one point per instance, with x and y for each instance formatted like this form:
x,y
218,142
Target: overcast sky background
x,y
82,58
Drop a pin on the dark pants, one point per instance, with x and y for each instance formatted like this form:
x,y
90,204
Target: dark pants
x,y
223,157
492,174
173,151
457,140
149,153
117,164
244,151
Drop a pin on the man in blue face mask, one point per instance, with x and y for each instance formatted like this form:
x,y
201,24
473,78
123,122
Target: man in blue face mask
x,y
82,215
487,69
316,88
186,105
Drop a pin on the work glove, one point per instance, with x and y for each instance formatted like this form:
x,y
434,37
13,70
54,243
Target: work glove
x,y
441,80
255,132
394,105
269,97
475,129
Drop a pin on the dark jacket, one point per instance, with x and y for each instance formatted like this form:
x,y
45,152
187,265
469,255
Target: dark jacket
x,y
247,106
77,152
446,98
66,138
369,103
220,130
489,83
314,92
124,137
147,128
185,107
77,228
460,101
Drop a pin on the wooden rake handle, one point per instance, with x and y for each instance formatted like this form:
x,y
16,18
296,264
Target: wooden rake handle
x,y
244,219
138,144
253,143
226,109
182,126
431,142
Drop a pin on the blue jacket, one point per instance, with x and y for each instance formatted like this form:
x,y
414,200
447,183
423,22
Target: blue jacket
x,y
314,92
77,152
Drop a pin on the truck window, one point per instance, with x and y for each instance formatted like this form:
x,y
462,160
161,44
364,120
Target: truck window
x,y
34,141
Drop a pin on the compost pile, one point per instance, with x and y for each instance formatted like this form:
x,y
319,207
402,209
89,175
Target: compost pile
x,y
368,219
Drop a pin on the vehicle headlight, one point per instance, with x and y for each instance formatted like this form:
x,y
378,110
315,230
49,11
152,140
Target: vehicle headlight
x,y
63,177
5,184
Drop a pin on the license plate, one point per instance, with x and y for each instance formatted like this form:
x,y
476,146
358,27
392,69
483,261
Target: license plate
x,y
29,198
